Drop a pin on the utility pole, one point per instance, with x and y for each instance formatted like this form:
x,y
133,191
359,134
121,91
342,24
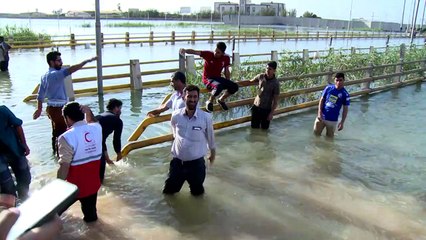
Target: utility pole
x,y
423,15
402,20
98,47
413,28
350,17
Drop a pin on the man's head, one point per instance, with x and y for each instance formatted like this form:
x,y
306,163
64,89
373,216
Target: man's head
x,y
339,80
54,60
191,94
72,113
114,105
178,81
1,39
271,67
220,50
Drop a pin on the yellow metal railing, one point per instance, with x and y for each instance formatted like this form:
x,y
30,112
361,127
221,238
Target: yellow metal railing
x,y
134,143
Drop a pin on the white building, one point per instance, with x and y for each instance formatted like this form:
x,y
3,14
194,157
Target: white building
x,y
77,14
277,7
247,8
225,7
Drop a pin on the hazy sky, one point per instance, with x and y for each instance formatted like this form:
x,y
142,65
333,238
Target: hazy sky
x,y
385,10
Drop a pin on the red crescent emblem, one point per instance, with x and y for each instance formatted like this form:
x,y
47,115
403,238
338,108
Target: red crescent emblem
x,y
86,138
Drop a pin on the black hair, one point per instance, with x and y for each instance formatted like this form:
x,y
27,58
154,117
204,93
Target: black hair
x,y
52,56
340,75
272,64
113,103
1,38
221,46
191,88
179,76
72,110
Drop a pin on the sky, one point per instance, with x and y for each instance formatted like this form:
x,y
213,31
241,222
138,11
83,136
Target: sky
x,y
383,10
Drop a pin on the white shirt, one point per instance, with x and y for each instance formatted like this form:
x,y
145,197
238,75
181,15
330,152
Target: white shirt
x,y
192,135
175,101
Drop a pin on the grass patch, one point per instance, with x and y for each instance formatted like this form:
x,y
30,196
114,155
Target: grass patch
x,y
86,25
130,24
23,36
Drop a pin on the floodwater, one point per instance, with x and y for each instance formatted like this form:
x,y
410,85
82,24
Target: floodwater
x,y
282,184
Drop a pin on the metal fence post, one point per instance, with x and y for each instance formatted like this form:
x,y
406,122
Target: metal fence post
x,y
193,37
274,56
211,37
127,39
151,38
398,69
69,87
190,65
368,74
72,41
182,66
329,76
135,75
236,61
305,55
173,38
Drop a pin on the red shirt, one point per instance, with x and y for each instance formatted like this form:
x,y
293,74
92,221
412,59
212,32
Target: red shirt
x,y
213,66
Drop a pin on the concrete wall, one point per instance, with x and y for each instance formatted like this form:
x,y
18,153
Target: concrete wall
x,y
310,22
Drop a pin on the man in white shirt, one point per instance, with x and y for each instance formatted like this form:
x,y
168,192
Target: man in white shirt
x,y
193,135
178,82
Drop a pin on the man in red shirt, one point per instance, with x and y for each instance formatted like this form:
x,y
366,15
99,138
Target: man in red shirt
x,y
214,63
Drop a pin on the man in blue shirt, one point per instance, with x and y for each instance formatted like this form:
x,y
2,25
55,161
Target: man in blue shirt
x,y
52,87
13,149
331,101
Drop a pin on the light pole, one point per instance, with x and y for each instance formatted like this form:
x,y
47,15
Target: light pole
x,y
350,17
402,20
98,47
413,28
423,15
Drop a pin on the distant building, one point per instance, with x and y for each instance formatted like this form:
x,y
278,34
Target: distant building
x,y
247,8
77,14
277,7
185,10
226,8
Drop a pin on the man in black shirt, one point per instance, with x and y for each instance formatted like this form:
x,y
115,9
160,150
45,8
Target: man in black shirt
x,y
110,122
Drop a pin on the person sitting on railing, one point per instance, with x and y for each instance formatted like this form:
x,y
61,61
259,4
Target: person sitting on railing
x,y
110,122
266,100
52,87
175,102
214,63
332,99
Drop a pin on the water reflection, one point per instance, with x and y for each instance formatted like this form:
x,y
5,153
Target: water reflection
x,y
136,101
326,156
5,85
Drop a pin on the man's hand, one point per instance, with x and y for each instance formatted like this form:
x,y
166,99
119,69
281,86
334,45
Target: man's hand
x,y
85,109
340,126
270,116
320,118
154,113
27,149
212,158
47,231
182,51
36,114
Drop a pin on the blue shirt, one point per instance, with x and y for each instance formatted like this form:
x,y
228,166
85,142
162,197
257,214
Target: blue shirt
x,y
52,87
333,100
9,142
